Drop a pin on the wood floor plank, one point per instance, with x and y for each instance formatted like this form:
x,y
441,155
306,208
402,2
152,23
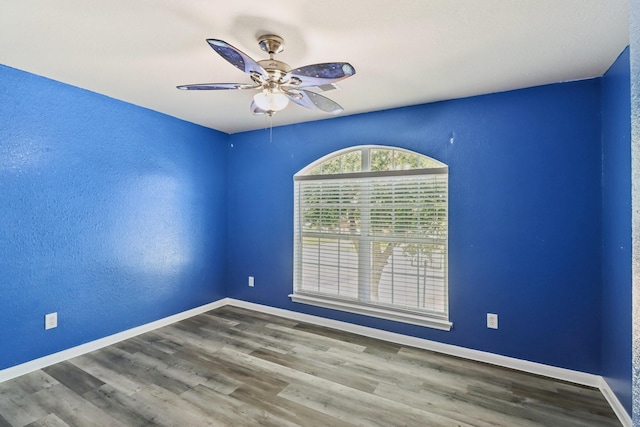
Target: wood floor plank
x,y
108,374
123,407
173,335
4,422
264,338
15,414
315,368
170,410
249,317
286,409
18,404
236,367
227,362
451,406
73,409
231,411
315,339
78,380
30,383
371,345
138,370
220,380
50,420
365,365
362,409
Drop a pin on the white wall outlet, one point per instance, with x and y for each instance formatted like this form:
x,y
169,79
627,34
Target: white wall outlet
x,y
492,321
251,281
51,321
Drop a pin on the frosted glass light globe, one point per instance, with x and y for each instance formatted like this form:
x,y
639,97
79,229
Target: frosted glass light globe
x,y
271,101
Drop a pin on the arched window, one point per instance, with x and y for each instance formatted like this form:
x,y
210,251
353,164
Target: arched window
x,y
371,235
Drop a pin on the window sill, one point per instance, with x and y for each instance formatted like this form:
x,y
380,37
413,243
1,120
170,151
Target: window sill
x,y
379,312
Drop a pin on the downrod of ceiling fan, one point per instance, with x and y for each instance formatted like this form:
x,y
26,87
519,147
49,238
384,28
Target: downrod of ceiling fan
x,y
271,44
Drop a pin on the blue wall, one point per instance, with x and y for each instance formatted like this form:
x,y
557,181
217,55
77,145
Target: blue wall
x,y
616,229
634,59
525,215
112,215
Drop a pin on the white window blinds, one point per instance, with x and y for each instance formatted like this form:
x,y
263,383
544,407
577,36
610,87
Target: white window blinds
x,y
374,242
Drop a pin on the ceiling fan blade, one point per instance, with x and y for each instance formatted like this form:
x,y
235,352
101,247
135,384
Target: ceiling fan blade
x,y
320,74
256,110
218,86
237,58
314,101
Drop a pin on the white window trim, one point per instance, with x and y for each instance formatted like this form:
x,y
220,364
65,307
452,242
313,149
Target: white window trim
x,y
379,312
359,307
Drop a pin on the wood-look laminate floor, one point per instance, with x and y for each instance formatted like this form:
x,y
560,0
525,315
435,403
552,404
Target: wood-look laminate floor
x,y
235,367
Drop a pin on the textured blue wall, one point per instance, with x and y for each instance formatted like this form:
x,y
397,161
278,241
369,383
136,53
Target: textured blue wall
x,y
616,229
634,58
112,215
525,215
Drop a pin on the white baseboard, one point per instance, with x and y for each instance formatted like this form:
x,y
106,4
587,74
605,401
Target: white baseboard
x,y
481,356
43,362
615,404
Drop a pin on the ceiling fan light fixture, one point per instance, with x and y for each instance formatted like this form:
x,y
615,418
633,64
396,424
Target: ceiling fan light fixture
x,y
271,101
277,82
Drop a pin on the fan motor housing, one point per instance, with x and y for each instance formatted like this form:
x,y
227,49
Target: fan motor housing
x,y
274,65
276,69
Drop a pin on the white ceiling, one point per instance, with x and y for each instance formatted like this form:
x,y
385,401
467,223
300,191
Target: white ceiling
x,y
405,52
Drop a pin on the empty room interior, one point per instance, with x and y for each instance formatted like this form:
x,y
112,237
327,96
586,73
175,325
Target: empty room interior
x,y
319,213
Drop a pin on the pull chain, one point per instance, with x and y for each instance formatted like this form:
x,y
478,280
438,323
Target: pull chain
x,y
270,124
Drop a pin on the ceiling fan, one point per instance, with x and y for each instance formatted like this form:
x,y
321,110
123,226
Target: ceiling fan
x,y
277,82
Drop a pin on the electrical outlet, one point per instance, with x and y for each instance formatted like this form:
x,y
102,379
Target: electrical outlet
x,y
492,321
50,321
251,281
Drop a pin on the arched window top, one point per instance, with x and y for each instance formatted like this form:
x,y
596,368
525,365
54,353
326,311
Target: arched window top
x,y
369,158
